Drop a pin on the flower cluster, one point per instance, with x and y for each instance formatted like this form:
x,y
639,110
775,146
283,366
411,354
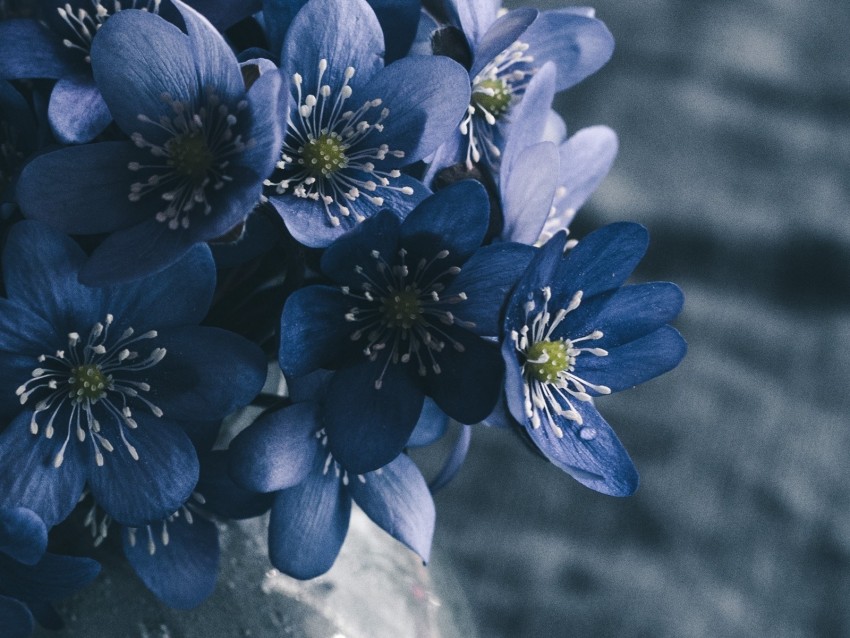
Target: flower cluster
x,y
368,200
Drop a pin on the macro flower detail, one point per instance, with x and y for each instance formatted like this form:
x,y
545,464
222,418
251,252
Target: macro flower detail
x,y
406,318
353,124
103,387
574,332
192,169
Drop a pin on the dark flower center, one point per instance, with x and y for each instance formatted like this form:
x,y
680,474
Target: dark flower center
x,y
324,155
493,96
403,309
88,383
190,155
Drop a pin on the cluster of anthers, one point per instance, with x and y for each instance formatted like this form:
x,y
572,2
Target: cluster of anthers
x,y
550,382
494,90
85,24
200,143
87,374
326,156
401,312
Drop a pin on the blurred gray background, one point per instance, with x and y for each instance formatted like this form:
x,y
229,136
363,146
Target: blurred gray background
x,y
735,152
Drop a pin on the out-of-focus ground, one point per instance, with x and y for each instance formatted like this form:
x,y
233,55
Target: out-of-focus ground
x,y
734,123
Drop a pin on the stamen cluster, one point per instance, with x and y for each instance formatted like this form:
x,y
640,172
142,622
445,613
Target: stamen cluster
x,y
84,24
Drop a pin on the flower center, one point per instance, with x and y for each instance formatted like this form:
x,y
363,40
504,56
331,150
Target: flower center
x,y
492,95
324,155
190,155
547,359
403,309
88,383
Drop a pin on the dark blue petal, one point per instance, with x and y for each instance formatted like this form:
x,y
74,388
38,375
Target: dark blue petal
x,y
278,450
449,154
84,189
308,525
501,34
586,159
368,427
432,425
23,335
578,45
399,20
29,50
277,16
426,98
474,17
222,496
207,373
226,13
601,463
454,219
397,499
136,492
470,381
354,249
314,332
215,62
54,577
487,280
15,619
77,111
29,478
23,535
635,362
539,273
346,34
269,107
182,573
528,188
131,253
137,57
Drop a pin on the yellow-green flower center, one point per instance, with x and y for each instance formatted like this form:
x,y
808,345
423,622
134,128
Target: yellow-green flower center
x,y
324,155
190,155
553,357
88,383
492,95
402,309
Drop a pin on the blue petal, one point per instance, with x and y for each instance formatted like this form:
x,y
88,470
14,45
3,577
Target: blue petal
x,y
215,63
207,373
474,17
15,618
277,16
182,573
313,331
502,34
578,45
84,189
368,427
222,496
226,13
453,219
307,220
29,478
586,159
137,57
432,425
514,397
308,525
379,233
29,50
426,97
135,252
277,451
487,279
635,362
528,188
469,381
449,154
399,20
346,34
23,535
528,117
135,492
269,108
601,463
54,577
399,502
77,111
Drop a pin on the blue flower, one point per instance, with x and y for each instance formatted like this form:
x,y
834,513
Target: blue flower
x,y
573,332
406,318
59,47
354,124
286,453
200,148
30,578
507,52
104,385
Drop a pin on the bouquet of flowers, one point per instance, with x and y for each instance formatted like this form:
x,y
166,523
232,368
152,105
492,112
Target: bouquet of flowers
x,y
349,214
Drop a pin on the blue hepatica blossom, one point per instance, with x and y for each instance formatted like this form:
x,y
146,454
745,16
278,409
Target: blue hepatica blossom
x,y
354,124
573,333
286,453
30,578
405,319
508,48
102,386
200,147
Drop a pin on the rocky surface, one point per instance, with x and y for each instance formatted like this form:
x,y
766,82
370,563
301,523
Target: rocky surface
x,y
735,152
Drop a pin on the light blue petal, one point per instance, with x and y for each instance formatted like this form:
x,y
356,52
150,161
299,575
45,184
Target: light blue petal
x,y
77,111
